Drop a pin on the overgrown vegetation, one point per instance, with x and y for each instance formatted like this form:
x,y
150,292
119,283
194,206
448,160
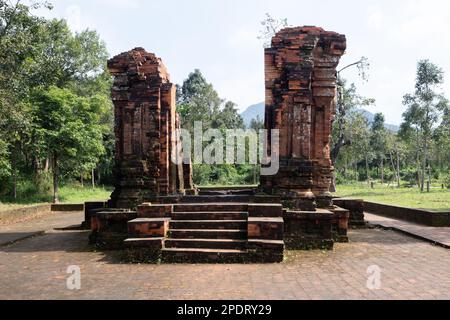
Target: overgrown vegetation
x,y
56,119
416,156
197,101
55,110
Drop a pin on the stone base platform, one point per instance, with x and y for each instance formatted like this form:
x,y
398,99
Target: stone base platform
x,y
237,229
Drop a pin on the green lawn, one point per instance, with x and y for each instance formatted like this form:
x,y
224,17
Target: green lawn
x,y
80,195
437,200
68,194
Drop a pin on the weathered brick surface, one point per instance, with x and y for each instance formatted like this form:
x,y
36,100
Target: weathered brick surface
x,y
148,228
300,103
411,269
145,127
265,210
265,228
89,210
154,211
309,230
356,208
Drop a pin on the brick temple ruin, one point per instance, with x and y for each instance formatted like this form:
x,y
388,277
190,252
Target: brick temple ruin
x,y
156,213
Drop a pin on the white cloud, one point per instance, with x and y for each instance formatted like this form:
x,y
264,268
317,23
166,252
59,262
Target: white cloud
x,y
73,17
243,36
423,20
121,4
376,18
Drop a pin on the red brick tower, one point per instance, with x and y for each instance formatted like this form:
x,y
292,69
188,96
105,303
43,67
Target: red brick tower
x,y
300,102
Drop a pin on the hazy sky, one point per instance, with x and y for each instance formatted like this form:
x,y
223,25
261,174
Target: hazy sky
x,y
219,37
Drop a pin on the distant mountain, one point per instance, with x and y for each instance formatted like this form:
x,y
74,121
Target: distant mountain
x,y
257,110
253,112
370,116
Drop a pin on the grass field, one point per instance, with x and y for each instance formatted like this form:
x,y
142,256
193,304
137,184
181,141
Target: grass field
x,y
67,194
437,200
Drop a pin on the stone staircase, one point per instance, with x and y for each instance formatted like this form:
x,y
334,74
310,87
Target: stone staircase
x,y
210,232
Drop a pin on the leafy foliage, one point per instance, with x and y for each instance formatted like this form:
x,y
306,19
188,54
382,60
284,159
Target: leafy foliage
x,y
54,98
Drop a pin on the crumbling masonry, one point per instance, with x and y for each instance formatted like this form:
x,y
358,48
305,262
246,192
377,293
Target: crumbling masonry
x,y
160,216
300,102
145,123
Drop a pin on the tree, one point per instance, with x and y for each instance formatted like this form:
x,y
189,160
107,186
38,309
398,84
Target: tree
x,y
358,148
396,149
19,34
442,145
228,117
347,101
197,101
257,124
68,127
378,141
425,108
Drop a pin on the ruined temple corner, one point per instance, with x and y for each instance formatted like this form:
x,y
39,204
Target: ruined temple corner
x,y
300,68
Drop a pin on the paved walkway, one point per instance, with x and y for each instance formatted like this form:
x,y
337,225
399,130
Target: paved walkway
x,y
38,226
438,236
36,268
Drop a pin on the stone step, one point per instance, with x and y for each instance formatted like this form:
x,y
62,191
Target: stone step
x,y
154,243
213,207
208,224
215,198
207,234
148,227
210,215
172,255
206,244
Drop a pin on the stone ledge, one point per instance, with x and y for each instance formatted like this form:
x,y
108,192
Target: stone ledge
x,y
148,228
67,207
265,228
15,214
424,217
265,210
148,210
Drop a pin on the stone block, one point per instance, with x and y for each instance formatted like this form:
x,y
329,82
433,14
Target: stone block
x,y
265,210
154,211
148,228
265,228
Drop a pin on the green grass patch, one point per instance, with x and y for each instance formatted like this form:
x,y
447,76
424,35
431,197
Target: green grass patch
x,y
67,194
78,194
437,199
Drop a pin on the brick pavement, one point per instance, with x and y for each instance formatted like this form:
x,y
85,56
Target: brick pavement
x,y
14,232
411,269
440,236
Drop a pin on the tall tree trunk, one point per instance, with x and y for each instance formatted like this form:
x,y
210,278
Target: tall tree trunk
x,y
394,169
398,167
82,180
424,165
93,178
429,179
99,175
382,170
47,165
55,178
367,170
14,180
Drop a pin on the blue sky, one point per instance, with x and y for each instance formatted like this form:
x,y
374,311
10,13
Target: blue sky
x,y
219,37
